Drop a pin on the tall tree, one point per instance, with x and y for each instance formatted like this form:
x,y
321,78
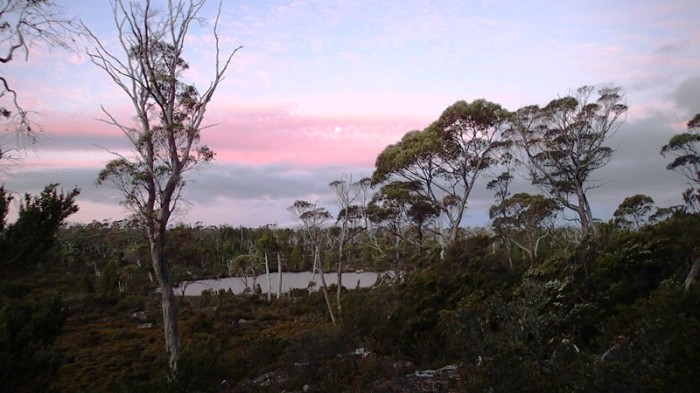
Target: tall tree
x,y
167,125
501,187
407,172
685,150
313,220
348,222
267,243
22,24
565,142
447,158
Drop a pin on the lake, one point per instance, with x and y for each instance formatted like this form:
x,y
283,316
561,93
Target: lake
x,y
298,280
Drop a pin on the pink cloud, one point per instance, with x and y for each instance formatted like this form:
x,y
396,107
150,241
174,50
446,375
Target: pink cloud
x,y
253,135
262,137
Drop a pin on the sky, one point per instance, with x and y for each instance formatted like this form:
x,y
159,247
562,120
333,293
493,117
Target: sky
x,y
320,88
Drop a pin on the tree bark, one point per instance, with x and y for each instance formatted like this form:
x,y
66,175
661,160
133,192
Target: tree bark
x,y
168,300
279,275
339,306
692,275
324,287
269,283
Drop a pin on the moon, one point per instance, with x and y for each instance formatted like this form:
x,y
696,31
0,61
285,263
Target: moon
x,y
338,129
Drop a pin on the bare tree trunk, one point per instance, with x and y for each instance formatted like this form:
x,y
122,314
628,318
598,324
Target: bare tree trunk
x,y
324,287
397,258
509,249
584,212
269,283
692,275
168,301
339,306
279,275
522,247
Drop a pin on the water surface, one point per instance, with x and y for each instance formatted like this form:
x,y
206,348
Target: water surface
x,y
298,280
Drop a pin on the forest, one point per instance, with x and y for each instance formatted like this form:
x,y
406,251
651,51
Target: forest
x,y
546,298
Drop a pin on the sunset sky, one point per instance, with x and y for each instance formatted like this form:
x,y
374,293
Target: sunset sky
x,y
321,87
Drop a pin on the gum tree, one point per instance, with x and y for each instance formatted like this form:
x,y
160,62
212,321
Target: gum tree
x,y
348,223
165,131
685,150
313,220
565,142
447,158
526,219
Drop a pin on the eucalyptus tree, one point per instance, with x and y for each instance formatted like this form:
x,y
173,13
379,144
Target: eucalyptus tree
x,y
313,220
166,126
501,187
348,222
526,218
565,142
267,242
447,158
635,211
404,215
685,150
406,173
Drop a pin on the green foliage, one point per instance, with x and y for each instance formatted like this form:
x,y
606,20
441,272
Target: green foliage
x,y
108,282
635,211
685,150
565,142
606,314
28,330
199,368
32,237
655,347
506,342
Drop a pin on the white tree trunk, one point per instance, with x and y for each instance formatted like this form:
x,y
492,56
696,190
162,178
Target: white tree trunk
x,y
269,282
279,276
692,275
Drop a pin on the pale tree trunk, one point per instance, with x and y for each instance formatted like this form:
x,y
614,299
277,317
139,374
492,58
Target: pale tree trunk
x,y
269,283
508,243
584,212
279,275
339,306
692,275
522,247
324,287
537,242
168,300
441,238
397,258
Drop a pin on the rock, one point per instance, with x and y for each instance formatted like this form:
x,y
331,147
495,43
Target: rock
x,y
361,352
140,315
449,369
269,378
